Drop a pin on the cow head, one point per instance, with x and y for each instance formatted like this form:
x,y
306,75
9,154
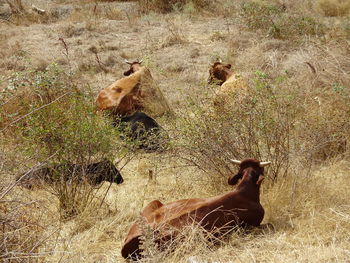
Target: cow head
x,y
104,171
134,66
256,173
219,73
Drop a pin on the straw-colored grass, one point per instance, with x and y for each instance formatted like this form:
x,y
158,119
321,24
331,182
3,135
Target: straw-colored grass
x,y
291,68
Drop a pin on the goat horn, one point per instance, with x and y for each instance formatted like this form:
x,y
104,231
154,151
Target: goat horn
x,y
235,161
127,62
262,164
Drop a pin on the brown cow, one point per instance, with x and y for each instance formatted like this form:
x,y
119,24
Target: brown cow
x,y
123,96
135,92
224,212
230,84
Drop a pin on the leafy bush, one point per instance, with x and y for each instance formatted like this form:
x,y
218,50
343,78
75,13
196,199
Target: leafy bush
x,y
165,6
27,90
272,20
259,126
276,122
55,124
259,15
69,132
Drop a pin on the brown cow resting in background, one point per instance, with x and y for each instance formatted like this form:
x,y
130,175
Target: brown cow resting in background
x,y
230,84
219,213
137,91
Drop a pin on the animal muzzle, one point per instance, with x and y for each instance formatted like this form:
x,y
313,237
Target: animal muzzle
x,y
128,73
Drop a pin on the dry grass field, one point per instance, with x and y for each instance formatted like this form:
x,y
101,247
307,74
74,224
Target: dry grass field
x,y
295,57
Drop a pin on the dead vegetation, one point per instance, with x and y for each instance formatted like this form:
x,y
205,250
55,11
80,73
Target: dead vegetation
x,y
294,56
334,7
164,6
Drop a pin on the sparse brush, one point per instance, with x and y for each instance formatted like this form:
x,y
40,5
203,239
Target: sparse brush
x,y
165,6
334,7
274,21
56,120
299,210
272,123
92,12
22,14
16,6
175,35
69,132
21,230
26,89
258,126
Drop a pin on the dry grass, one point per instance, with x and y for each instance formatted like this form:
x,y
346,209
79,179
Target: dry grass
x,y
334,7
297,74
304,219
164,6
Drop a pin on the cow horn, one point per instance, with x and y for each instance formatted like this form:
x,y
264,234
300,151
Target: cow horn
x,y
235,161
220,60
262,164
128,62
140,61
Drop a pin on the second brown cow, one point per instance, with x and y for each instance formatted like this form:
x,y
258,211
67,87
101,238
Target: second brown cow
x,y
137,91
231,84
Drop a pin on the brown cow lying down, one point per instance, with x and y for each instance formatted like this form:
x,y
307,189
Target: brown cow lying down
x,y
224,212
230,84
93,174
137,91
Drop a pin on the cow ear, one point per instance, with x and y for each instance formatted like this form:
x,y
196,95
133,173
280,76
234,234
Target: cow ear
x,y
260,179
228,66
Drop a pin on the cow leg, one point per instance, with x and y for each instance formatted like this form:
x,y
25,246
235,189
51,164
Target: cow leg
x,y
151,207
131,248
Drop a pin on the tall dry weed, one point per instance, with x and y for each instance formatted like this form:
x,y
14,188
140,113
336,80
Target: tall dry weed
x,y
334,7
257,126
277,121
301,214
274,20
163,6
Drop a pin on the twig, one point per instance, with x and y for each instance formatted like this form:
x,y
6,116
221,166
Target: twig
x,y
65,46
38,10
100,63
14,96
311,67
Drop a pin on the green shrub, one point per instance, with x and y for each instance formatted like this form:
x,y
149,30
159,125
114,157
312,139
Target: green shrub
x,y
258,15
273,21
276,122
55,124
259,126
27,90
165,6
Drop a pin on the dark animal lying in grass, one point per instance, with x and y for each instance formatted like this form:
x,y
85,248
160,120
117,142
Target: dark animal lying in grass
x,y
93,174
142,131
